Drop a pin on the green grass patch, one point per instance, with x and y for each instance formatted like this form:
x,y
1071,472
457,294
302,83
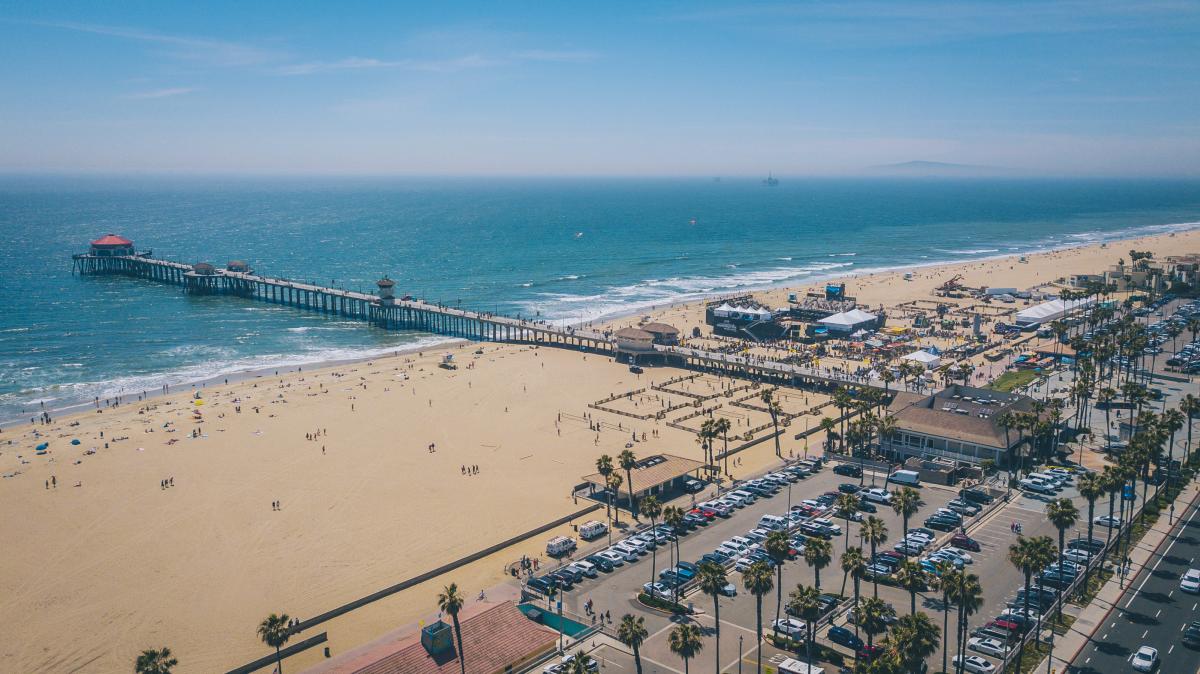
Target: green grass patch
x,y
1013,379
661,604
1063,624
1034,654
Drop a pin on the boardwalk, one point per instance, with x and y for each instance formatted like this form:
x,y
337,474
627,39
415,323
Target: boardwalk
x,y
387,312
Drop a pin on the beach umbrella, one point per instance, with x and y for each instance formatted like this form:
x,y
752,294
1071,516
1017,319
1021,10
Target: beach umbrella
x,y
42,446
75,441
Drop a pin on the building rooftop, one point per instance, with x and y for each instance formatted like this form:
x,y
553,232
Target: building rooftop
x,y
112,241
660,329
963,413
495,636
651,472
633,333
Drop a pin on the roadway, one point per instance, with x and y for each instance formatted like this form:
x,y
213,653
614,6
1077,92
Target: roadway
x,y
1152,612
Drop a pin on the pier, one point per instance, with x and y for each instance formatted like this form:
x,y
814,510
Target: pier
x,y
112,254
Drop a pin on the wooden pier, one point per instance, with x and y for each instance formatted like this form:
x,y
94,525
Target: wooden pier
x,y
115,255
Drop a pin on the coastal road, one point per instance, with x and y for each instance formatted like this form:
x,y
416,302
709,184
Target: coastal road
x,y
1153,611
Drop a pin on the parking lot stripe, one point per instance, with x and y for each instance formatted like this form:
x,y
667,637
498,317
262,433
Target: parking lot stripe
x,y
659,664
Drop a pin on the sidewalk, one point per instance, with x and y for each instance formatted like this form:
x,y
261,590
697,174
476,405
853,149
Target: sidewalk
x,y
1094,615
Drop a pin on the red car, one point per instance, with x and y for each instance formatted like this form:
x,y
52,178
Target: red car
x,y
965,542
869,653
704,512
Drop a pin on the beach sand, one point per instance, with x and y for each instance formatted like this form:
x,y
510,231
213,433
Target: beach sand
x,y
94,573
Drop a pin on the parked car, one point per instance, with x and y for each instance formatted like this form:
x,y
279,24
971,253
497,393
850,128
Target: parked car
x,y
975,496
941,523
844,637
849,488
963,506
986,646
790,627
907,548
1078,556
975,664
614,557
847,469
659,590
1106,521
878,495
1191,636
866,506
965,542
1092,545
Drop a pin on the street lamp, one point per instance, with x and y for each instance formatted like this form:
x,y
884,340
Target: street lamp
x,y
740,637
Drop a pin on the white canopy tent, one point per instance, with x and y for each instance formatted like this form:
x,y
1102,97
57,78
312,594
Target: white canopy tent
x,y
1052,310
925,358
849,321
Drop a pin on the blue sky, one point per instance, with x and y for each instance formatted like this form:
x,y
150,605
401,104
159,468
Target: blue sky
x,y
1079,87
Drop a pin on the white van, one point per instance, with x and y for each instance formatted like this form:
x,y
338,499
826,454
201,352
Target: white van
x,y
743,497
592,529
1049,479
790,666
772,522
586,568
909,477
559,545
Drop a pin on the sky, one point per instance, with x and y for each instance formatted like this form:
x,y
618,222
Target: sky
x,y
1046,87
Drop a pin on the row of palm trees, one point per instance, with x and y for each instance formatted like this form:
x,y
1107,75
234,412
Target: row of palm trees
x,y
274,631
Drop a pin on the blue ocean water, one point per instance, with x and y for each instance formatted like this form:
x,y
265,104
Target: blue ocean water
x,y
569,250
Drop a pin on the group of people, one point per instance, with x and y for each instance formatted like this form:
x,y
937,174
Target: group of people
x,y
470,470
164,484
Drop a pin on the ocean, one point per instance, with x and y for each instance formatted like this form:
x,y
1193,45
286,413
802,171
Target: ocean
x,y
569,250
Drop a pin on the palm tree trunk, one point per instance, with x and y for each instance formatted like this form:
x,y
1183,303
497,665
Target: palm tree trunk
x,y
874,577
278,660
653,553
945,625
778,594
1021,648
758,615
717,618
629,483
462,659
637,659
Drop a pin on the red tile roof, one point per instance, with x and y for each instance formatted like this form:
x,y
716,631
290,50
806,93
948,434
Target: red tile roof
x,y
112,241
497,637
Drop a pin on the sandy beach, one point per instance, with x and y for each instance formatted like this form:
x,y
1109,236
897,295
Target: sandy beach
x,y
362,459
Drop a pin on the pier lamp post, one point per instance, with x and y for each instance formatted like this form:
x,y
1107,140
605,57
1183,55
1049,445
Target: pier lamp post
x,y
740,656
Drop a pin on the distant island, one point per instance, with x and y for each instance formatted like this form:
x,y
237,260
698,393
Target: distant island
x,y
936,169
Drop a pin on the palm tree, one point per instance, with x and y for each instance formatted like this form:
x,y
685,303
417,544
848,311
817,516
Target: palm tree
x,y
817,555
778,547
632,632
705,438
673,516
652,508
450,601
911,578
684,641
721,427
947,582
920,638
844,507
827,425
1062,513
842,401
874,531
1190,406
757,581
773,408
968,594
580,664
628,462
853,564
712,582
275,631
906,502
614,487
873,615
155,662
604,465
1091,487
805,602
1172,422
1022,555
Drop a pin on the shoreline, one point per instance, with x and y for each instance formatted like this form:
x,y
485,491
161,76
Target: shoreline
x,y
437,342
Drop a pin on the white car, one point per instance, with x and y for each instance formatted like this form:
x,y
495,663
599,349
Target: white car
x,y
878,495
1190,581
986,646
627,549
1078,556
960,553
1106,521
789,626
1145,659
833,528
659,590
615,557
975,664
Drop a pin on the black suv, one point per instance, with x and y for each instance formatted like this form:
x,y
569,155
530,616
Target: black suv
x,y
976,496
848,469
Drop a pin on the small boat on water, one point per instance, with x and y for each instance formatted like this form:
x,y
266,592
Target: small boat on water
x,y
771,180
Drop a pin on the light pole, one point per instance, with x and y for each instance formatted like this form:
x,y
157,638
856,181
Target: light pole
x,y
740,637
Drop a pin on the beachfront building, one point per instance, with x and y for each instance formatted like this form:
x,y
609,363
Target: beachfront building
x,y
660,474
111,244
667,335
387,290
637,344
239,267
744,318
959,423
497,637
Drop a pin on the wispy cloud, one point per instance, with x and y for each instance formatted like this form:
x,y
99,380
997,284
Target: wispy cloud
x,y
206,50
440,65
161,93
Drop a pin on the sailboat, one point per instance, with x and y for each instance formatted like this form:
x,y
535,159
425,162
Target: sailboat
x,y
771,180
